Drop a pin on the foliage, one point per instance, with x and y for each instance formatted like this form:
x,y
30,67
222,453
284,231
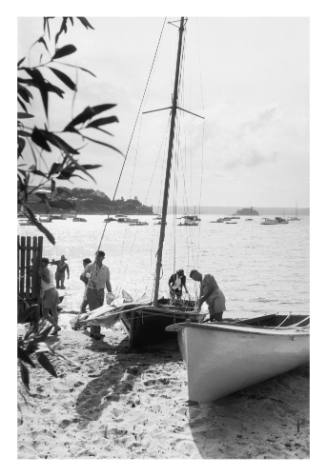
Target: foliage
x,y
33,346
42,141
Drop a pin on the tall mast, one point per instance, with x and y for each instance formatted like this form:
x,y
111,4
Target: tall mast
x,y
169,160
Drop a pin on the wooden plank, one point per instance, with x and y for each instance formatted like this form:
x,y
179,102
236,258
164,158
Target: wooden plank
x,y
18,264
22,267
37,256
28,268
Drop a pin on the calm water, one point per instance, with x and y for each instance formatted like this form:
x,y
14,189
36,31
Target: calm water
x,y
260,269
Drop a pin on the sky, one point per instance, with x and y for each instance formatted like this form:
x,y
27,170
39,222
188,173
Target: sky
x,y
249,78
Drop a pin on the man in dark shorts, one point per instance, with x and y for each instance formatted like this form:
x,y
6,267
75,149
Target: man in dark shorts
x,y
98,277
211,294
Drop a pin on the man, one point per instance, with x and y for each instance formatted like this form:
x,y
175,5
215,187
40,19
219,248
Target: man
x,y
97,277
211,293
49,295
85,280
62,268
176,283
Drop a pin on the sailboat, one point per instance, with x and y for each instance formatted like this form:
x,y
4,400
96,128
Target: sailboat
x,y
146,320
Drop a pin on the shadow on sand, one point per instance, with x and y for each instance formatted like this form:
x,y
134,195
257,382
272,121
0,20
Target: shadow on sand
x,y
257,418
119,378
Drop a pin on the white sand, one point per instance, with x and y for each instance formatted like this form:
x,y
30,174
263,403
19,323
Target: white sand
x,y
116,404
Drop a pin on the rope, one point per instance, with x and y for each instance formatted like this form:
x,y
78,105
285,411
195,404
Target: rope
x,y
135,123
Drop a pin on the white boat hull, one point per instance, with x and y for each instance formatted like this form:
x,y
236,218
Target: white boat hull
x,y
222,359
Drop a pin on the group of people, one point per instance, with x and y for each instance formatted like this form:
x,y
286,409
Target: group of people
x,y
209,292
96,277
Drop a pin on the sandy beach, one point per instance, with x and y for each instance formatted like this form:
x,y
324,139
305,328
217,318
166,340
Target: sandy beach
x,y
110,403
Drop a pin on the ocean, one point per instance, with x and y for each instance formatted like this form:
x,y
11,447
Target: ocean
x,y
261,269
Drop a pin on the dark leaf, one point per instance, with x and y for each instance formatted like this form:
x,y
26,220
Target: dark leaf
x,y
31,347
21,146
87,71
46,364
23,133
39,139
40,83
85,22
53,186
24,93
39,225
55,168
24,372
20,62
54,89
87,114
64,78
63,28
102,121
36,171
22,105
104,144
24,115
90,166
64,51
23,355
42,40
71,20
59,143
66,173
104,131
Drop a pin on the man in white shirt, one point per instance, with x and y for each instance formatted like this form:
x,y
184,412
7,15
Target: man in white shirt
x,y
97,277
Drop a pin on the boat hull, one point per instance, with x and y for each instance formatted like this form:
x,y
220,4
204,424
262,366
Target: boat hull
x,y
147,324
222,359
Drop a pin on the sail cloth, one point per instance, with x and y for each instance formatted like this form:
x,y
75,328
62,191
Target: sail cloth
x,y
108,314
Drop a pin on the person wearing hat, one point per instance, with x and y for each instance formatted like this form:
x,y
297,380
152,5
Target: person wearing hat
x,y
60,274
211,294
176,283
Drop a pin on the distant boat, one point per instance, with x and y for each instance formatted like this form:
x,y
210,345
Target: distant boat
x,y
57,217
269,221
79,219
247,211
45,219
222,358
281,221
109,219
139,223
219,220
188,220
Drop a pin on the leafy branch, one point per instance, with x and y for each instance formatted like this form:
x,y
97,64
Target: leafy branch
x,y
42,141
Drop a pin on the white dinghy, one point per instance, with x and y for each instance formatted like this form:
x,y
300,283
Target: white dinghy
x,y
222,358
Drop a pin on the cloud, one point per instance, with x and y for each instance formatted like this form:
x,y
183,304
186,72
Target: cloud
x,y
250,158
263,120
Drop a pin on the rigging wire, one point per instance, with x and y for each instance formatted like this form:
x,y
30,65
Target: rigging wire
x,y
135,122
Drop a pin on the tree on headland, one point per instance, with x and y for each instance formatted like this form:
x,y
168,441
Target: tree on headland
x,y
46,78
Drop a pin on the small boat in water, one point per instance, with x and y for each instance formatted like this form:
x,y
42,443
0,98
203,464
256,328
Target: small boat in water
x,y
222,358
79,219
189,220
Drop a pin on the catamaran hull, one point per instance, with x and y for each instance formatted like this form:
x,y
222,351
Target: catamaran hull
x,y
221,360
148,325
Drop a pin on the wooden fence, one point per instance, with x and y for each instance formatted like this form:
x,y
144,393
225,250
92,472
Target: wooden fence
x,y
29,255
